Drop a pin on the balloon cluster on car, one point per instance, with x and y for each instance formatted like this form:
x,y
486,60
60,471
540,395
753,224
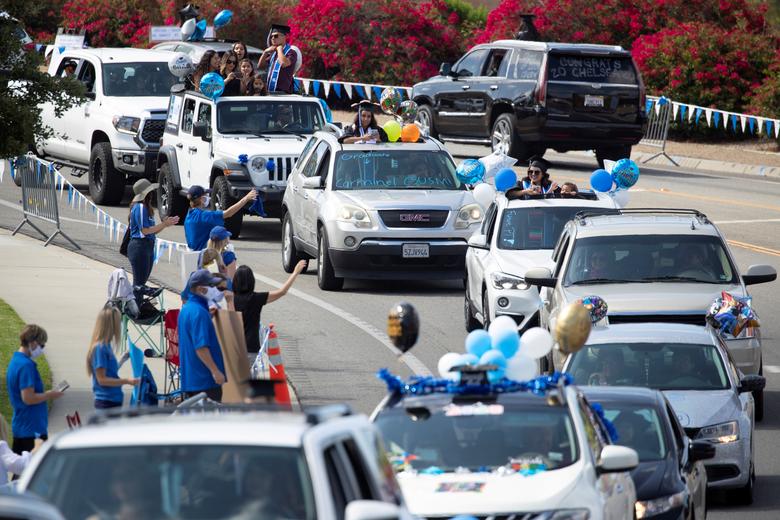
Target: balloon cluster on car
x,y
404,113
616,180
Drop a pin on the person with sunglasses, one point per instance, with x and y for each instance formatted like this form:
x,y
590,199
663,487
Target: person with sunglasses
x,y
538,182
228,69
280,57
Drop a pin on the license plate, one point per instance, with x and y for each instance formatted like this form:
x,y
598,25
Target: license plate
x,y
415,251
594,101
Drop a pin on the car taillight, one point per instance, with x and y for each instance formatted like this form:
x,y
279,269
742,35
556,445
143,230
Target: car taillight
x,y
541,92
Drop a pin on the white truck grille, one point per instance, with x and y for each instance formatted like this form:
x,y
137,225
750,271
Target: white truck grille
x,y
282,168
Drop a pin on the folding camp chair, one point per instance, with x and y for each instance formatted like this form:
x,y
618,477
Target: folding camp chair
x,y
172,372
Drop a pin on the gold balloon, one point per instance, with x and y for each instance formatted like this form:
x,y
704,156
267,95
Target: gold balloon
x,y
572,328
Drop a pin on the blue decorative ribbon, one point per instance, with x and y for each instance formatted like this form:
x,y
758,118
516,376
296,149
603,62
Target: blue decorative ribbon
x,y
418,385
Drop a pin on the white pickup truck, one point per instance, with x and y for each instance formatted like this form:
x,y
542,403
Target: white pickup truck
x,y
115,134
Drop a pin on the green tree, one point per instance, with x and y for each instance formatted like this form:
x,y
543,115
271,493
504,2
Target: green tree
x,y
24,85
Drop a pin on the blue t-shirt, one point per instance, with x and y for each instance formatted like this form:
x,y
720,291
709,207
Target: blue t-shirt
x,y
104,357
139,219
196,331
228,257
198,225
28,420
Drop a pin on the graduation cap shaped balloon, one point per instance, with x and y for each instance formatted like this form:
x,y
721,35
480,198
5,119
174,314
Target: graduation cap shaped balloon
x,y
187,12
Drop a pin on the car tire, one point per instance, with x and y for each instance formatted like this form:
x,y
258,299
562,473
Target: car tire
x,y
471,322
758,397
290,254
744,495
485,310
221,199
169,202
326,279
503,137
425,118
106,183
613,153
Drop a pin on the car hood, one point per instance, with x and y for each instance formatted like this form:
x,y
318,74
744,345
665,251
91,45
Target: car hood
x,y
654,479
136,106
518,262
407,199
276,146
699,408
655,298
438,495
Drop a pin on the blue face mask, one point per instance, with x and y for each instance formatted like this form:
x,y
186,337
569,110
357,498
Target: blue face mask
x,y
36,352
206,200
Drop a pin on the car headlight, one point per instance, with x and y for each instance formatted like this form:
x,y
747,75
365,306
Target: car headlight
x,y
468,215
257,164
354,215
127,124
507,281
561,514
648,508
722,433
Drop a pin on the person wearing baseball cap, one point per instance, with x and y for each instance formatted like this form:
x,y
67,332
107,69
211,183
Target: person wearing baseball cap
x,y
143,231
202,367
219,239
200,221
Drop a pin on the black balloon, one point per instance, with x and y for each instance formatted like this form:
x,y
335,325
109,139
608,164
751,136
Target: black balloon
x,y
189,11
403,326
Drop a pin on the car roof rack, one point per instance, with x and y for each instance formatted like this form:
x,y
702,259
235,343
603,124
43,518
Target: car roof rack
x,y
582,215
514,194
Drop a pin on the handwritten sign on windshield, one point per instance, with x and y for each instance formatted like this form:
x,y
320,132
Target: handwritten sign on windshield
x,y
590,68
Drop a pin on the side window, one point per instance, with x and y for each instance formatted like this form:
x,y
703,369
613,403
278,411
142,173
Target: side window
x,y
496,63
310,169
188,115
561,255
324,163
525,65
204,115
67,67
174,111
87,76
338,490
309,145
362,475
471,63
487,222
591,430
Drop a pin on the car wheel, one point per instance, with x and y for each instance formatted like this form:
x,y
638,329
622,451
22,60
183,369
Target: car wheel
x,y
169,202
325,277
758,397
485,310
222,200
504,139
425,118
290,254
614,153
470,320
106,183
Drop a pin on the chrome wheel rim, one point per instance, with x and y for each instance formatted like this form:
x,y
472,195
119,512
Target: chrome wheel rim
x,y
425,123
164,206
320,257
502,137
286,242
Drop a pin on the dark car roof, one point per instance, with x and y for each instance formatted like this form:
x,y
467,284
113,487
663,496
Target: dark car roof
x,y
564,47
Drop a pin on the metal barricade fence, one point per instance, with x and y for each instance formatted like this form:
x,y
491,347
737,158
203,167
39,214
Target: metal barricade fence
x,y
39,197
658,120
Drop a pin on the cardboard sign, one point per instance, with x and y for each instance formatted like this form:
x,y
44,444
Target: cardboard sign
x,y
69,41
230,332
172,33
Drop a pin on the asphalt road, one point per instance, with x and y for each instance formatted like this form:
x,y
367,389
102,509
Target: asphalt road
x,y
333,343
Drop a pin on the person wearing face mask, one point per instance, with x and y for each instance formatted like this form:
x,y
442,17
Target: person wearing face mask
x,y
200,221
201,364
25,390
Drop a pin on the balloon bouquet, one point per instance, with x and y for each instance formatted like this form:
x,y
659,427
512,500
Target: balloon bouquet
x,y
194,30
616,181
404,113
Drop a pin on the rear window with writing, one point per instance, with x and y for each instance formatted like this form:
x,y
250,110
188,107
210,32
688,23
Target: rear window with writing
x,y
591,69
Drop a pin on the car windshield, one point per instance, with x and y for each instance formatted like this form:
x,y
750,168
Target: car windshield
x,y
533,228
395,169
663,366
268,117
638,428
137,79
475,436
649,258
601,69
177,482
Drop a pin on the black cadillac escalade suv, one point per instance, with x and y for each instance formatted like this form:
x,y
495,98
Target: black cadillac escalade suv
x,y
523,97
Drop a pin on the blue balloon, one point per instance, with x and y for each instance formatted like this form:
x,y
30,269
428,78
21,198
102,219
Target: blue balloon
x,y
506,179
601,180
200,31
212,85
625,173
507,341
223,18
494,357
470,171
468,359
478,342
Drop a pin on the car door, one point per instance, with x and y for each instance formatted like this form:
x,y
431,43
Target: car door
x,y
454,103
296,205
77,137
55,145
477,259
185,142
551,295
486,88
314,197
200,150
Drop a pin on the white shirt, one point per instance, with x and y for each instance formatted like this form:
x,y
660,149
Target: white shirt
x,y
11,462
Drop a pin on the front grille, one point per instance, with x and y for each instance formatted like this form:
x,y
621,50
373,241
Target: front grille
x,y
153,130
716,472
414,218
282,168
690,319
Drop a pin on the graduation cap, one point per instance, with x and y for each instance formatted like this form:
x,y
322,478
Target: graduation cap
x,y
365,105
187,12
540,162
260,388
277,28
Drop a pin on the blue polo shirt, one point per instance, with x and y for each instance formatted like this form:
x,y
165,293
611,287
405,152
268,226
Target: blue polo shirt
x,y
198,225
103,357
196,331
28,420
139,219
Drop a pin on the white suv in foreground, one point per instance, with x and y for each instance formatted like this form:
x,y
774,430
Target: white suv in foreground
x,y
383,210
220,463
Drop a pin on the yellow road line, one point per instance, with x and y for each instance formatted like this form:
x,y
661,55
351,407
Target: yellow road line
x,y
755,248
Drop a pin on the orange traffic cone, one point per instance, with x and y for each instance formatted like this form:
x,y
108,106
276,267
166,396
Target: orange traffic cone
x,y
277,370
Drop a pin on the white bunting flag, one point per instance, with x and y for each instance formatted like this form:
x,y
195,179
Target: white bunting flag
x,y
675,108
306,85
760,123
348,90
743,122
326,87
776,124
691,110
708,116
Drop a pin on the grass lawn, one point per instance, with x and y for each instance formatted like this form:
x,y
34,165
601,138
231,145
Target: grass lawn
x,y
10,327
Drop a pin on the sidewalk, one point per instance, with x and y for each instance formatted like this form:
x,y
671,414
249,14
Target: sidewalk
x,y
62,291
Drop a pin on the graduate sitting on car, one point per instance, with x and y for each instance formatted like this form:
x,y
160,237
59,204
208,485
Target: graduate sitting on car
x,y
364,128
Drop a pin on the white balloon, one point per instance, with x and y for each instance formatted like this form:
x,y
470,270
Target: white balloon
x,y
484,194
446,362
180,65
621,198
188,28
520,368
535,343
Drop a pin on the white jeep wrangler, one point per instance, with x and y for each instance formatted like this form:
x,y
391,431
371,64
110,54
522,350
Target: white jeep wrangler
x,y
231,145
115,134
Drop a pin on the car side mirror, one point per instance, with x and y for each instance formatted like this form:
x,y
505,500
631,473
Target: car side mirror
x,y
371,510
201,129
751,383
445,69
313,183
760,273
615,459
700,450
540,276
478,241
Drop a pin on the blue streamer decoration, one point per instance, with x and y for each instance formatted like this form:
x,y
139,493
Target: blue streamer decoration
x,y
683,109
243,158
611,430
716,118
733,123
70,195
648,106
752,124
360,91
769,128
296,85
401,93
315,86
257,207
377,92
425,385
698,114
12,163
337,89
